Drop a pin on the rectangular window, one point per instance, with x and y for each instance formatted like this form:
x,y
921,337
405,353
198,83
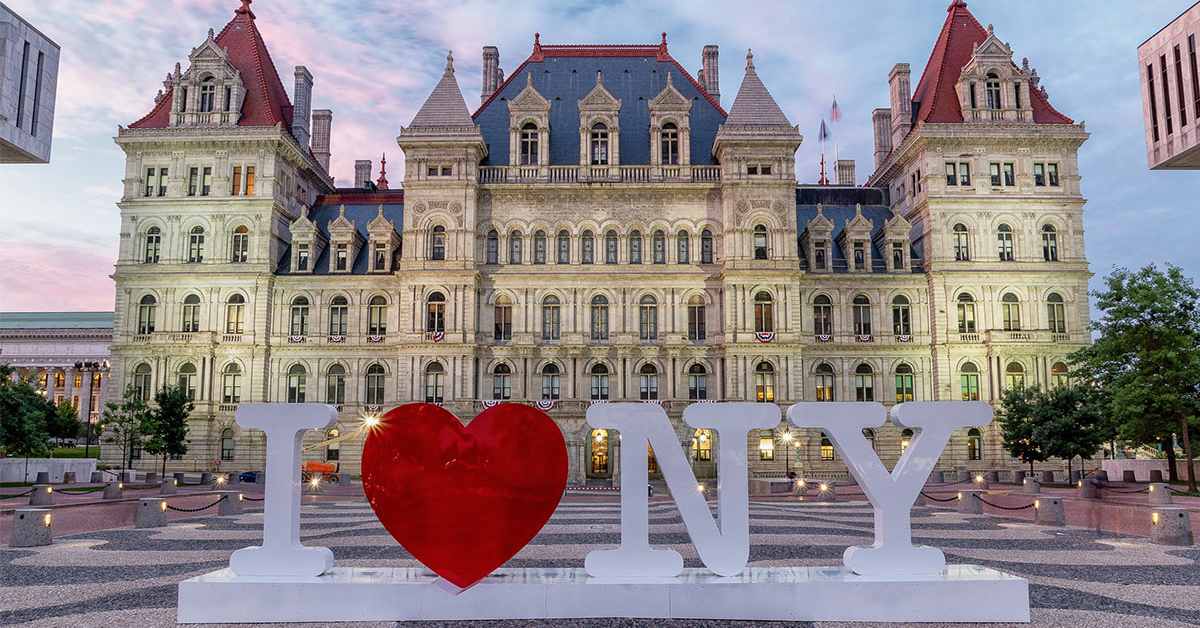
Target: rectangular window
x,y
503,331
162,181
149,182
860,255
1010,177
994,167
1153,101
819,256
1178,88
302,257
1039,174
1195,75
974,101
206,181
1052,174
380,256
41,62
1017,95
236,188
193,180
753,170
249,180
342,258
897,256
964,173
431,171
766,448
21,85
951,173
1166,93
445,171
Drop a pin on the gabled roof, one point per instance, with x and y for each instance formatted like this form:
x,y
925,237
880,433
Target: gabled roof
x,y
754,105
445,106
266,102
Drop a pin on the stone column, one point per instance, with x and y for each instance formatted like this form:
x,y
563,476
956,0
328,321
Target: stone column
x,y
69,385
50,384
85,398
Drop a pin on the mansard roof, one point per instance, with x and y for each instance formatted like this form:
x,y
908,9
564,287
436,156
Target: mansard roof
x,y
565,74
841,206
361,208
266,102
445,106
935,98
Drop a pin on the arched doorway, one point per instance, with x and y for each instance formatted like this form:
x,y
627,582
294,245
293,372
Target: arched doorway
x,y
600,466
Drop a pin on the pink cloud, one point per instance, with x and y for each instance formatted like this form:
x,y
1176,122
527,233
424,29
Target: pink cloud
x,y
42,276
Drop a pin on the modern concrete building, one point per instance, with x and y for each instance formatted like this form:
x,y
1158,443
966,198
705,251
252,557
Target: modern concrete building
x,y
1170,81
28,84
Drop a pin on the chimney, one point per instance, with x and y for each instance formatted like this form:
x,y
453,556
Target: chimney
x,y
302,105
322,120
845,172
362,173
711,73
901,102
491,72
881,119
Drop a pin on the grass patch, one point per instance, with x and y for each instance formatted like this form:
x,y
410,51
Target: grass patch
x,y
75,452
14,484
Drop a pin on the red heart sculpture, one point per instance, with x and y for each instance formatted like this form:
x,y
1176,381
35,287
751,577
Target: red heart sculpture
x,y
464,500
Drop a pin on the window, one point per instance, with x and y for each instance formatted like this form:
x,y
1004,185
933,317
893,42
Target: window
x,y
974,444
764,313
648,382
951,173
766,445
437,244
301,257
153,245
962,243
1153,99
992,87
906,437
529,144
1010,178
669,144
1004,242
901,316
860,255
897,256
299,318
493,247
333,451
760,242
1056,313
758,169
539,247
599,318
706,247
635,247
239,251
191,314
697,382
435,313
551,381
1195,75
21,88
502,382
1016,95
904,383
339,311
502,313
659,247
964,173
514,247
341,257
297,382
147,308
235,314
1059,376
1010,309
206,181
196,245
682,246
375,379
587,248
208,94
187,380
1052,174
193,181
764,383
994,170
227,444
435,383
249,180
820,255
1166,93
862,316
235,187
335,385
611,245
599,144
564,247
380,256
1039,174
827,452
599,382
231,384
822,316
377,316
864,383
697,328
647,319
968,382
966,314
1049,243
551,320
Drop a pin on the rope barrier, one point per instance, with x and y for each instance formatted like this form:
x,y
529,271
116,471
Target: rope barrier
x,y
25,494
1140,490
80,491
251,499
938,499
1025,507
219,500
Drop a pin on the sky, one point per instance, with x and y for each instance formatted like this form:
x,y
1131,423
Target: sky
x,y
375,61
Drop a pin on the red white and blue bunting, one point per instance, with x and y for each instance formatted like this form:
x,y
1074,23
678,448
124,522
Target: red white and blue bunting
x,y
764,336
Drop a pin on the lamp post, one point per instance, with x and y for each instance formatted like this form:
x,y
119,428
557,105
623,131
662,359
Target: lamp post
x,y
787,437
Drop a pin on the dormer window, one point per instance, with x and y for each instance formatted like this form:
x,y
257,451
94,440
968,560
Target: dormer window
x,y
860,255
183,100
379,256
992,88
599,144
302,257
342,257
820,256
529,144
208,95
897,256
670,144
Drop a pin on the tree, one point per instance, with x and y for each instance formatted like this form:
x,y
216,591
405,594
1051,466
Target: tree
x,y
127,422
64,422
1147,357
24,414
1069,423
1018,423
167,427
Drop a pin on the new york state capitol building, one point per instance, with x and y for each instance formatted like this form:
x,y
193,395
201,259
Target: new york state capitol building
x,y
601,228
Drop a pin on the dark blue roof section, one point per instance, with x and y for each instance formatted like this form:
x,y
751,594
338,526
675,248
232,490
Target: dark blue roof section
x,y
842,213
361,214
565,80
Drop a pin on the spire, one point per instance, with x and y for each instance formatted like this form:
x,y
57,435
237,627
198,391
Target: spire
x,y
245,9
754,105
445,106
382,183
749,60
449,62
662,48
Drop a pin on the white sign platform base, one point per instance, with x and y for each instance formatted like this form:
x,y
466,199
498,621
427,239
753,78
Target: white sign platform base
x,y
962,593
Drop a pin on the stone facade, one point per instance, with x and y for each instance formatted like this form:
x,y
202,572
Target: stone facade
x,y
64,353
28,85
1170,78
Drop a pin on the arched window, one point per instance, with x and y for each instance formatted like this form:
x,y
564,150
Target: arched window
x,y
235,314
196,245
377,316
764,313
599,144
551,381
551,320
648,381
966,314
697,382
153,245
539,247
683,248
599,318
333,451
239,249
437,243
647,318
147,309
502,382
764,382
231,384
492,247
697,325
1010,307
702,443
375,380
339,312
1059,376
208,94
1056,313
187,380
901,316
1014,376
191,314
822,316
514,247
635,247
760,242
502,317
297,384
659,247
1004,242
335,385
706,247
862,315
906,437
529,144
968,382
587,248
1049,243
599,452
564,247
669,144
435,313
974,444
599,382
864,383
227,444
993,91
299,319
827,451
611,245
904,383
869,434
962,243
435,383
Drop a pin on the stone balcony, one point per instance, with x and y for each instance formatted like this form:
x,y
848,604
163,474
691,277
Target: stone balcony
x,y
598,174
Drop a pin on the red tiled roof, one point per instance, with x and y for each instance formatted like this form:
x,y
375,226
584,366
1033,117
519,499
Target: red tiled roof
x,y
954,48
266,102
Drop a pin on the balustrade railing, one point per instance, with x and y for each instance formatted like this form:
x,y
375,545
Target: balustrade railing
x,y
604,174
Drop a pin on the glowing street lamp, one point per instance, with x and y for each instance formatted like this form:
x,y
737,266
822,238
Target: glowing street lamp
x,y
786,436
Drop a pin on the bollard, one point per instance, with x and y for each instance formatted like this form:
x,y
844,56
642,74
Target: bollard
x,y
969,503
991,477
97,477
114,490
800,489
1170,526
1075,475
151,513
43,477
235,478
151,477
1156,475
979,481
42,495
1101,475
826,493
1089,488
1050,511
179,478
1047,477
167,487
1031,486
231,505
31,527
1159,494
1128,476
1018,477
206,478
128,477
69,477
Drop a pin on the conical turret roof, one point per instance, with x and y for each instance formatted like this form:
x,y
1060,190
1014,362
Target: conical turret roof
x,y
754,105
445,106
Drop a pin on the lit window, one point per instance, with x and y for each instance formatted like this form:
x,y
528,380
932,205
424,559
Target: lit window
x,y
969,382
702,442
906,437
764,382
766,445
827,452
904,383
1059,376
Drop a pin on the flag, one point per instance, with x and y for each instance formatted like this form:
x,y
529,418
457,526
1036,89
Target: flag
x,y
835,115
823,135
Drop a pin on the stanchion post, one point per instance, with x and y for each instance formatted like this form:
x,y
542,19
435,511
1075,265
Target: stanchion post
x,y
31,527
151,513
